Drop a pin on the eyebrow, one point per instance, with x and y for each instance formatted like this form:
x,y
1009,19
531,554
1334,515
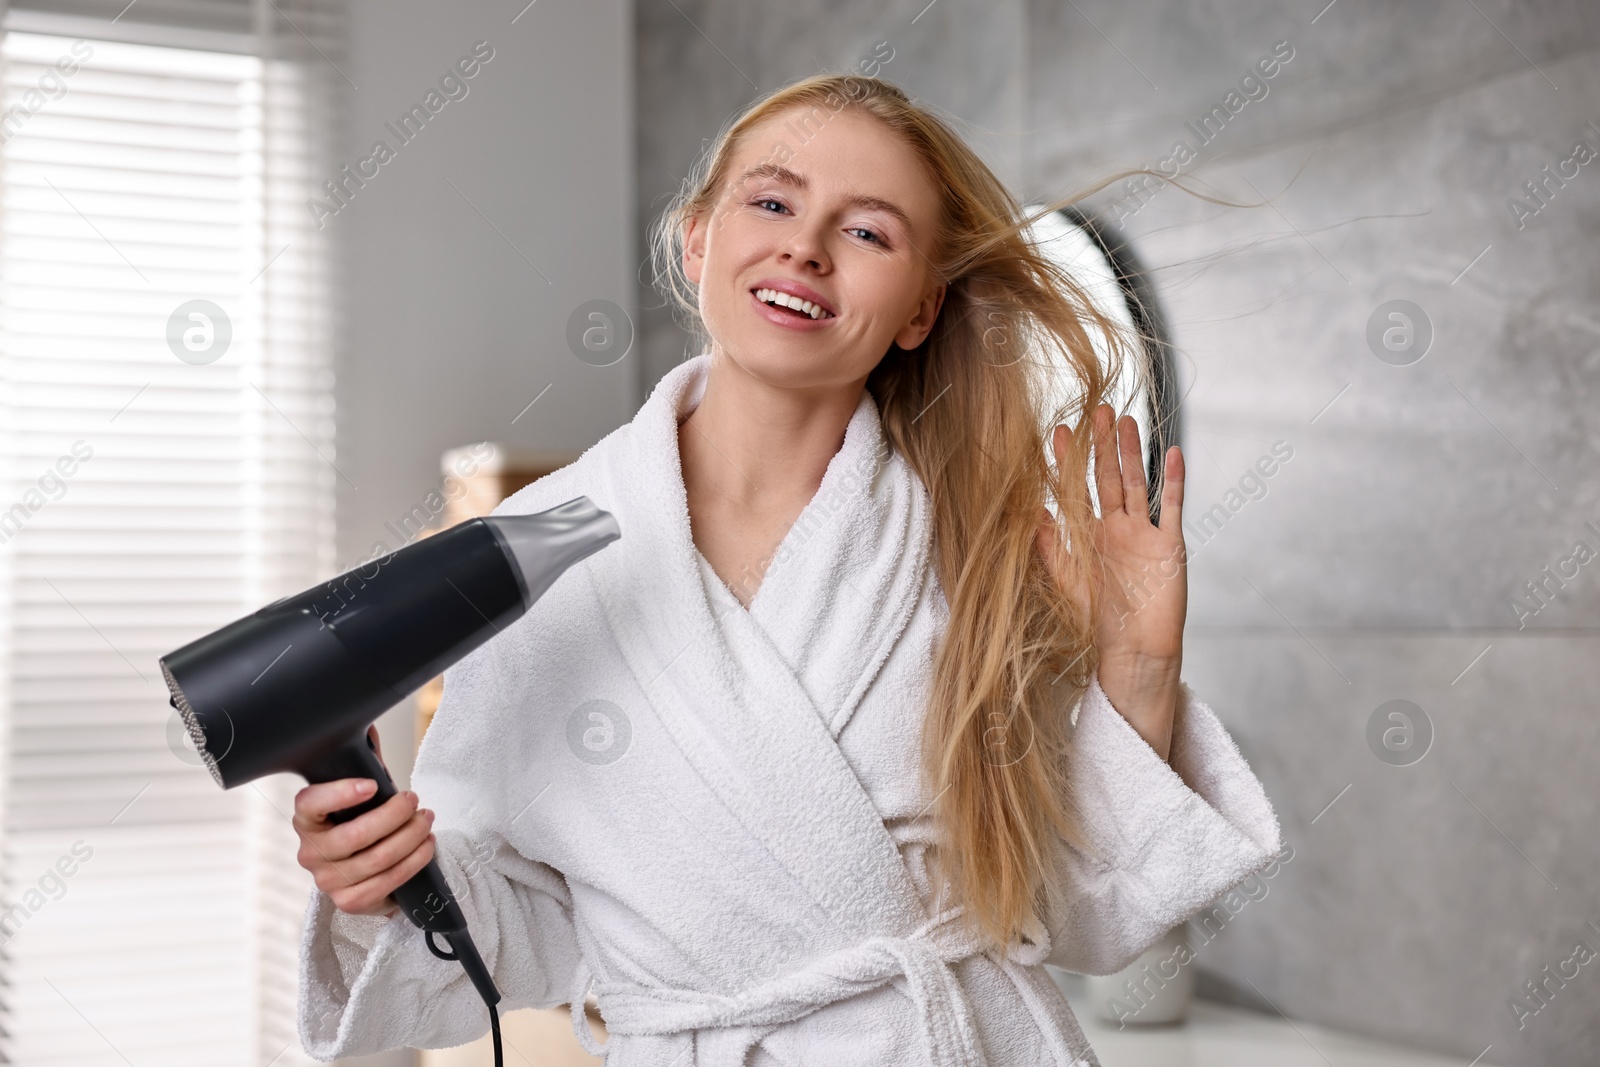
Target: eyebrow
x,y
779,173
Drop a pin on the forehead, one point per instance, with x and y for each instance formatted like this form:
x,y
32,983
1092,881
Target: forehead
x,y
841,155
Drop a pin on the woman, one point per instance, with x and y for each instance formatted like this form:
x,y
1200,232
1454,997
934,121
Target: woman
x,y
848,733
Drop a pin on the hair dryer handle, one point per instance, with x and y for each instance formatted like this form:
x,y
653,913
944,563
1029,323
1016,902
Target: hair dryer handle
x,y
424,897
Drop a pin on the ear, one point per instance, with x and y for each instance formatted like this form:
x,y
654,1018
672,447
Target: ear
x,y
694,248
914,332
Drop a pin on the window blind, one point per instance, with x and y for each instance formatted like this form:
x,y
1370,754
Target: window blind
x,y
229,16
166,466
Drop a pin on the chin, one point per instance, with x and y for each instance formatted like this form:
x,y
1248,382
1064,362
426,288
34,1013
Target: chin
x,y
794,363
779,357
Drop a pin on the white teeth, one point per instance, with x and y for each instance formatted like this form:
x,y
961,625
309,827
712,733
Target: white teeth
x,y
773,296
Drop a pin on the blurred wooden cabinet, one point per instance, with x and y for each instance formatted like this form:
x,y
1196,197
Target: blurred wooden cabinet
x,y
476,479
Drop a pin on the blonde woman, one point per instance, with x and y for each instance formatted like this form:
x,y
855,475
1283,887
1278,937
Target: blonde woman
x,y
848,734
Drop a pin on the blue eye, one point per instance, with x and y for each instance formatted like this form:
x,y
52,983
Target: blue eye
x,y
768,200
870,233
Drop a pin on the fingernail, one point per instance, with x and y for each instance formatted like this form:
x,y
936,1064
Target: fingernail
x,y
366,785
429,814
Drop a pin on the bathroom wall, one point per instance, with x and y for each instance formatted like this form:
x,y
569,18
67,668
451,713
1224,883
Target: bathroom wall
x,y
467,256
1437,463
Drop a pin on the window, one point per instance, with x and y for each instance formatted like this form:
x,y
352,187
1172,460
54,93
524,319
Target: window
x,y
166,466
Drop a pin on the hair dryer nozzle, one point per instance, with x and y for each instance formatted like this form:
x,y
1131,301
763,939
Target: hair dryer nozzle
x,y
545,544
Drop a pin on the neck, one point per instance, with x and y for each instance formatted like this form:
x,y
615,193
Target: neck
x,y
759,447
754,453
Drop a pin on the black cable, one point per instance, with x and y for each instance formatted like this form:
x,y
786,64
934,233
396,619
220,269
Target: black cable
x,y
436,950
494,1014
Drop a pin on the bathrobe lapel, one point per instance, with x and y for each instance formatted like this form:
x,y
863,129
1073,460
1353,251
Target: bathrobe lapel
x,y
843,584
756,706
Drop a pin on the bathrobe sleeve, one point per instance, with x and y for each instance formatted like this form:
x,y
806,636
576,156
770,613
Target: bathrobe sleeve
x,y
369,983
1165,839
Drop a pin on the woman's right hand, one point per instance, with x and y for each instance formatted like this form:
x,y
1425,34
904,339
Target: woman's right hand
x,y
360,863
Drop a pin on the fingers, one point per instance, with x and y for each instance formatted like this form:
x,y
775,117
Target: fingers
x,y
339,840
359,864
374,896
1135,491
377,857
1107,476
314,803
1119,464
1061,440
1172,493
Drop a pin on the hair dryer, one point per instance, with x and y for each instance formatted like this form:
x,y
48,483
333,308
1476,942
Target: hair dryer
x,y
294,686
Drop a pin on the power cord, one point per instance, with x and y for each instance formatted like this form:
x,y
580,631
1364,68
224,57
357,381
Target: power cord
x,y
457,954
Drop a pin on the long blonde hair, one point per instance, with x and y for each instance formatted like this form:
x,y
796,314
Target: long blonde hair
x,y
969,409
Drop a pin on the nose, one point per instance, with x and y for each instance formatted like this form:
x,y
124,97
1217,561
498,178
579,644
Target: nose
x,y
805,246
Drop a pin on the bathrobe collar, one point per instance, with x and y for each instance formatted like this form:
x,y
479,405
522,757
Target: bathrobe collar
x,y
757,704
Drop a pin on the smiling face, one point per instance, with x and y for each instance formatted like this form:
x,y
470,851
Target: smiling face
x,y
845,223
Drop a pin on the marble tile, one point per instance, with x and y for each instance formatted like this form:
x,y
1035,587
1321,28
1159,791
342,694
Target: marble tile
x,y
1420,897
1428,493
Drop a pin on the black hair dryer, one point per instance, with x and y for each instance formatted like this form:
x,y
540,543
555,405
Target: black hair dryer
x,y
294,686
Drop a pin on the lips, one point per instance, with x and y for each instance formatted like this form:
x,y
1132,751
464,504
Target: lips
x,y
788,318
783,292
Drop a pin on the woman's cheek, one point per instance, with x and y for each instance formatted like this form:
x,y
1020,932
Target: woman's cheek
x,y
715,311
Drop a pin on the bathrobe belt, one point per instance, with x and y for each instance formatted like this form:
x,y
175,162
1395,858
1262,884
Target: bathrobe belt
x,y
736,1022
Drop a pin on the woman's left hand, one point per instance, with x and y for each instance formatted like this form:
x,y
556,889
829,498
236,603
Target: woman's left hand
x,y
1144,580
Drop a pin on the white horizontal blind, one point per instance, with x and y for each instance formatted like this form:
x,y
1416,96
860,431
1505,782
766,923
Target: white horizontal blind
x,y
230,15
146,178
302,88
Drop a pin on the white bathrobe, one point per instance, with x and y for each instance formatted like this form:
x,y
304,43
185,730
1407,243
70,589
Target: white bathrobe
x,y
714,815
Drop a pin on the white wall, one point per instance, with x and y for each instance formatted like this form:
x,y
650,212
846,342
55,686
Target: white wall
x,y
449,330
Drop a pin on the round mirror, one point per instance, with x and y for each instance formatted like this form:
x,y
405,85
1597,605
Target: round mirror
x,y
1103,264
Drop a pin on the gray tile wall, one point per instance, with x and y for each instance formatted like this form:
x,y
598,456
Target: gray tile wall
x,y
1380,561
